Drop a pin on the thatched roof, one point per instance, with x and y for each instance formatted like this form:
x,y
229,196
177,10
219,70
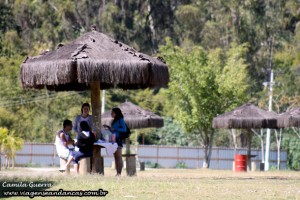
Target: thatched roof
x,y
135,117
291,118
245,117
93,57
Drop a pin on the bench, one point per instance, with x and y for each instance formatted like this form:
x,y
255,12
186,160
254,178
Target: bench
x,y
130,164
85,166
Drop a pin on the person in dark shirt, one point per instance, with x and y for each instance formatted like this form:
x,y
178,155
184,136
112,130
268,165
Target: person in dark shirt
x,y
85,142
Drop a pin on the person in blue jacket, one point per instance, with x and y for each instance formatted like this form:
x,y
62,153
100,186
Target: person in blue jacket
x,y
118,125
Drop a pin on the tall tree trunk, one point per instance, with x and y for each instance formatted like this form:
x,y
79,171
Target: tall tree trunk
x,y
208,147
151,25
172,8
261,137
233,133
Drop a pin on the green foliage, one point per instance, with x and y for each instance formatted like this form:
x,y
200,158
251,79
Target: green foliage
x,y
201,87
293,148
204,85
147,136
232,78
181,165
192,83
149,164
172,134
9,143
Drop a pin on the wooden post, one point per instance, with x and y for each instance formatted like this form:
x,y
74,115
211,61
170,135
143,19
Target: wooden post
x,y
131,165
96,107
249,140
84,166
97,160
127,146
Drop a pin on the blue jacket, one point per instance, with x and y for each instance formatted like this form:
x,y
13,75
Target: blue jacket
x,y
119,126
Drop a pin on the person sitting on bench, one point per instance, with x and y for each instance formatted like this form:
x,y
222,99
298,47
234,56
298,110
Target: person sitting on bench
x,y
63,139
85,142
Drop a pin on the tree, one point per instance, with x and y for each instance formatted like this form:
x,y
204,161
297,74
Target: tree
x,y
172,134
204,85
10,145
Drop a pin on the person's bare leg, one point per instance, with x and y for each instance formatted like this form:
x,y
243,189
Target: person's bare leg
x,y
68,170
69,162
76,168
116,161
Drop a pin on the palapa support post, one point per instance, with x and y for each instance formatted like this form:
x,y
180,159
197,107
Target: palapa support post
x,y
97,160
96,107
127,146
249,141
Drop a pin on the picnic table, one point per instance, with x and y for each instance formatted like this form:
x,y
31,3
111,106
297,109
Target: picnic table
x,y
97,164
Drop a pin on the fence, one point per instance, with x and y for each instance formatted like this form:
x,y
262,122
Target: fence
x,y
44,154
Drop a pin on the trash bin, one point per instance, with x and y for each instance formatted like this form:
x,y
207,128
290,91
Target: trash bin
x,y
240,163
262,166
142,166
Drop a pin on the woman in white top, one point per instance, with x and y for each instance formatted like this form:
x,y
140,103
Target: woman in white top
x,y
63,139
84,116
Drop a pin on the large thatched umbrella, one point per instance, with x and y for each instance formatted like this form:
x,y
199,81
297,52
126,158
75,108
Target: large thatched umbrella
x,y
290,118
247,116
94,61
135,117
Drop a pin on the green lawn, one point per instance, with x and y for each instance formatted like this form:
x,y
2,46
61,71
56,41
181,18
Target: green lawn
x,y
167,184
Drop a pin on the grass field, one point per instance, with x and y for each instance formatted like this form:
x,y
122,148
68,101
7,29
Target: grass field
x,y
166,184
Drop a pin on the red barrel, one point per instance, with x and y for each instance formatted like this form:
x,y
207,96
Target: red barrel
x,y
240,163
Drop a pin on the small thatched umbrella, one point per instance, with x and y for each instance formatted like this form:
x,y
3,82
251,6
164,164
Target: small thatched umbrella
x,y
290,118
135,117
94,61
247,116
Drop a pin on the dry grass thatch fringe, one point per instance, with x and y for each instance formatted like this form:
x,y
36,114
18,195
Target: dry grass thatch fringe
x,y
245,123
291,118
47,73
93,57
135,117
138,123
112,72
246,117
